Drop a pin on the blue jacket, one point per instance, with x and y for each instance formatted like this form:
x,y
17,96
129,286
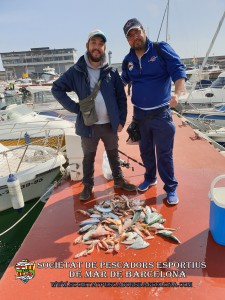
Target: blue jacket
x,y
151,75
112,89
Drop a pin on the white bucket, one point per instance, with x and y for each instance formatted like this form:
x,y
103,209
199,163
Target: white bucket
x,y
217,211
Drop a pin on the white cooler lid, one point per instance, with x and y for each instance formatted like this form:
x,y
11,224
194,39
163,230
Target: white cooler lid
x,y
219,196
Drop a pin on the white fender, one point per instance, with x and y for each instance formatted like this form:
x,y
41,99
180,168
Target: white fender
x,y
15,192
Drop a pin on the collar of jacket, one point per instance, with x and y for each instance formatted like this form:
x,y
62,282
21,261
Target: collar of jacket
x,y
81,66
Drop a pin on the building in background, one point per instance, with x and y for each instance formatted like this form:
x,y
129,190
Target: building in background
x,y
2,76
32,62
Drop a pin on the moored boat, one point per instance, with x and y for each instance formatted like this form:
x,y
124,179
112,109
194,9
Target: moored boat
x,y
212,116
18,120
203,98
35,167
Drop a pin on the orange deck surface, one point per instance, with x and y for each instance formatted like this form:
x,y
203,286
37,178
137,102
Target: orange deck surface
x,y
51,238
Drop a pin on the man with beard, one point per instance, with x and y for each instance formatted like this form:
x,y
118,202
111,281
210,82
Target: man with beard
x,y
110,105
150,67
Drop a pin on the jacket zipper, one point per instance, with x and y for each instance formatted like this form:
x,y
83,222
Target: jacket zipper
x,y
140,65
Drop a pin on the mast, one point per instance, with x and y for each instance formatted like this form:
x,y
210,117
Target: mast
x,y
167,20
207,53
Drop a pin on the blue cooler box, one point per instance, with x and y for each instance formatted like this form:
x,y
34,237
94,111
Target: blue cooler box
x,y
217,212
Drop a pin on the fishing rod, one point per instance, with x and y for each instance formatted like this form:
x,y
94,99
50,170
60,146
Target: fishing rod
x,y
131,158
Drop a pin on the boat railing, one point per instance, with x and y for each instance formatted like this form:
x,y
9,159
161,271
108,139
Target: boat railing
x,y
54,138
16,158
205,115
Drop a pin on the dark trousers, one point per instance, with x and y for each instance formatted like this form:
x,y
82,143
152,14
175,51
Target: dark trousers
x,y
156,146
89,145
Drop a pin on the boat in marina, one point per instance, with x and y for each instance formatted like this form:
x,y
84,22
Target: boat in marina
x,y
214,117
23,81
209,72
213,71
203,98
42,100
48,76
16,121
35,167
12,93
217,135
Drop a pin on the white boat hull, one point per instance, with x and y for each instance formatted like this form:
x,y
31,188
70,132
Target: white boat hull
x,y
35,167
217,135
31,189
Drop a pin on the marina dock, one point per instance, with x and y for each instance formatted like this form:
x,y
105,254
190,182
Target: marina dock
x,y
193,269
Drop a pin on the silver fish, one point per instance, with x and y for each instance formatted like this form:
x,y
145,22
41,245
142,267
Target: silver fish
x,y
162,221
89,221
113,226
86,228
148,213
88,235
137,202
164,232
103,209
168,234
139,244
95,216
128,242
153,218
136,216
157,226
127,223
110,215
105,203
131,235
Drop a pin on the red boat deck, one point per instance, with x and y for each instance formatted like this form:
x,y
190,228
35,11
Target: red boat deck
x,y
198,257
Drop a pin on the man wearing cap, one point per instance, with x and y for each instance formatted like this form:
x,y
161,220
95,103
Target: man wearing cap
x,y
150,68
110,105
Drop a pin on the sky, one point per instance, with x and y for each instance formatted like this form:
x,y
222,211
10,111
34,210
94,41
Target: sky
x,y
66,24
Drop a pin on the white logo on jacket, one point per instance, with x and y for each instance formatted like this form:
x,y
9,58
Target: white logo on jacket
x,y
153,58
130,66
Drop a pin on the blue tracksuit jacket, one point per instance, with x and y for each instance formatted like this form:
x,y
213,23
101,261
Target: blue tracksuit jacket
x,y
151,76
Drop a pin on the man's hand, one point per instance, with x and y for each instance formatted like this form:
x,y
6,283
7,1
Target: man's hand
x,y
179,88
120,128
174,100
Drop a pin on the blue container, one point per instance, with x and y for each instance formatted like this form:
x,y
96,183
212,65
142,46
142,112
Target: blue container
x,y
217,212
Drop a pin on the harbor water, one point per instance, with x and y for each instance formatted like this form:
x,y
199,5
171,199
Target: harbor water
x,y
11,240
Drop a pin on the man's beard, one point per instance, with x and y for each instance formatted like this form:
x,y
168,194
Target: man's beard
x,y
140,46
95,59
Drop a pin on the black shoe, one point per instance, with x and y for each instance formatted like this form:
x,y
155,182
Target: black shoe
x,y
125,185
86,193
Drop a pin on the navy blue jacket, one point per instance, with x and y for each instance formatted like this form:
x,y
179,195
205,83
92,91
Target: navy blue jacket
x,y
151,75
112,89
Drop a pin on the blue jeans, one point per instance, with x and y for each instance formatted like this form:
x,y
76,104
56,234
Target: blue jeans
x,y
156,146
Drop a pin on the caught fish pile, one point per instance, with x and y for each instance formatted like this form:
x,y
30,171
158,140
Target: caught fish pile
x,y
120,221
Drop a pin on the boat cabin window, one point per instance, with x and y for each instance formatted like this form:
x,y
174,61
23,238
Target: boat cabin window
x,y
218,83
17,111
